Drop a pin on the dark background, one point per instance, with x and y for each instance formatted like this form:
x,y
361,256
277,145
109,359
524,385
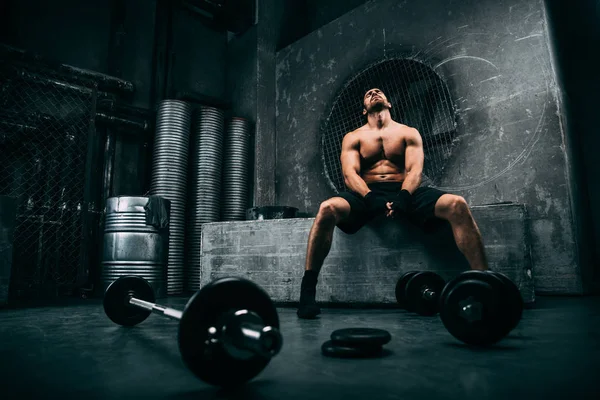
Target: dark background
x,y
168,48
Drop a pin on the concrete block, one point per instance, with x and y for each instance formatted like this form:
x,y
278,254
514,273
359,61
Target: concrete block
x,y
362,268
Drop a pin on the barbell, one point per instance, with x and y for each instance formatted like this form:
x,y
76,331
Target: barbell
x,y
228,330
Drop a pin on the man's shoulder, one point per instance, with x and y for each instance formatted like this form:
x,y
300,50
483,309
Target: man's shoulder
x,y
355,134
406,128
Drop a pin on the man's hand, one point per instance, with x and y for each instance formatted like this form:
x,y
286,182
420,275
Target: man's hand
x,y
399,205
390,212
375,203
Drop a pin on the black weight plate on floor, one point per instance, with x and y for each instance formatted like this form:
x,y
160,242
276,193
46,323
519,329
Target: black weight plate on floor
x,y
515,300
504,308
484,323
116,300
331,349
360,337
414,290
212,363
401,288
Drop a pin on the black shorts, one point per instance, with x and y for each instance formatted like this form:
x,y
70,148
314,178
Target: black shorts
x,y
421,210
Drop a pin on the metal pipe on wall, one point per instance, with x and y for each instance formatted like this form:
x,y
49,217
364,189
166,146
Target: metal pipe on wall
x,y
80,76
118,108
109,162
125,123
56,84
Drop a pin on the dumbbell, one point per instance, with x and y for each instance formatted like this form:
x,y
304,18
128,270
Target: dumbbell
x,y
228,330
514,300
419,292
480,307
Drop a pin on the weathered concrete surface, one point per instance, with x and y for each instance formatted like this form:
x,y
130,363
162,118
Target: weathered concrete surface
x,y
251,87
241,74
495,58
361,268
137,44
301,17
73,348
269,12
199,57
574,29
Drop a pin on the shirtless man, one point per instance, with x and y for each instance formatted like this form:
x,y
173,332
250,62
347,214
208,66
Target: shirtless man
x,y
382,163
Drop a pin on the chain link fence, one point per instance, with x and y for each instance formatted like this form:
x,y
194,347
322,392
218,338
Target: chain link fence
x,y
45,124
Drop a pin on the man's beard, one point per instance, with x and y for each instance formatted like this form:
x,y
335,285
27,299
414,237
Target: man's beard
x,y
377,106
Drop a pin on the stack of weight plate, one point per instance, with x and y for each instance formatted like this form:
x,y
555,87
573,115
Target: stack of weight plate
x,y
204,184
169,180
235,170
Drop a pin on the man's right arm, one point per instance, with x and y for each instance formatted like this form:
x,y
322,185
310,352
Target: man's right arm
x,y
350,159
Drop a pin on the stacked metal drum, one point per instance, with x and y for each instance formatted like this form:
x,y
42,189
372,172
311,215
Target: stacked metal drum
x,y
210,185
236,177
204,184
169,180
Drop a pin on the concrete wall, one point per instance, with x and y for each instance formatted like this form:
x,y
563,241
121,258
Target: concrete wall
x,y
495,57
136,41
251,87
199,56
241,74
300,17
575,30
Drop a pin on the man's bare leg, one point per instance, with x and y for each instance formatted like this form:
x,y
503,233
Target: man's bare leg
x,y
319,243
466,233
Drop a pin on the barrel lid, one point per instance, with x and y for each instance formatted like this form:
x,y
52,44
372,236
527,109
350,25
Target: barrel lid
x,y
126,204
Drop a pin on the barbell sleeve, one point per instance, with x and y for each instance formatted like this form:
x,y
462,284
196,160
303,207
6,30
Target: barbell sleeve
x,y
244,330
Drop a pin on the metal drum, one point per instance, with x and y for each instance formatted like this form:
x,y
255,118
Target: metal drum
x,y
132,247
236,179
204,184
169,179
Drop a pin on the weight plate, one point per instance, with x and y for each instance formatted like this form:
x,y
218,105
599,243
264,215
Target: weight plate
x,y
401,288
116,300
360,337
331,349
514,300
415,287
471,308
212,363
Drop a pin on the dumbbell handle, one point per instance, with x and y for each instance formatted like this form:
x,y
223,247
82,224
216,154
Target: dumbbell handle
x,y
429,294
256,338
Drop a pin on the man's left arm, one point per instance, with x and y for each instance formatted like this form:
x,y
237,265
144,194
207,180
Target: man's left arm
x,y
413,160
413,164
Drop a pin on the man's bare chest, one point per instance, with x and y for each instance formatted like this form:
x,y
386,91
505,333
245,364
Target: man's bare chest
x,y
382,146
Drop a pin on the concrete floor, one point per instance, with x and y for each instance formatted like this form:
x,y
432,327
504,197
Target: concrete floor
x,y
74,351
